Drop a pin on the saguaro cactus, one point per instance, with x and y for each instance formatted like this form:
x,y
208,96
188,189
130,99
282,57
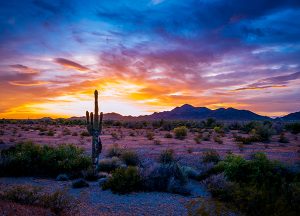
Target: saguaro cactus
x,y
94,127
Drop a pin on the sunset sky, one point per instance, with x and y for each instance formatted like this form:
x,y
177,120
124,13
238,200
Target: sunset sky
x,y
145,56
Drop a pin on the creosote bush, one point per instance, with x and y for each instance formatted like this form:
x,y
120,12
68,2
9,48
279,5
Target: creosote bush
x,y
124,180
167,156
130,158
180,132
210,156
29,159
109,164
114,151
257,186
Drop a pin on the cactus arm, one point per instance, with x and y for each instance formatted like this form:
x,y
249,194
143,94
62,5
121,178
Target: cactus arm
x,y
100,123
92,119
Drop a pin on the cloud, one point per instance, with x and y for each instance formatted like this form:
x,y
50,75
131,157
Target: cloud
x,y
28,83
70,64
271,82
24,69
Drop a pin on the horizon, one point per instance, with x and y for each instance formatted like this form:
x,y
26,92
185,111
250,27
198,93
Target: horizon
x,y
105,113
150,56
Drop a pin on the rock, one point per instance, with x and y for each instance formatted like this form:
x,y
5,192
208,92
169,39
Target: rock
x,y
62,177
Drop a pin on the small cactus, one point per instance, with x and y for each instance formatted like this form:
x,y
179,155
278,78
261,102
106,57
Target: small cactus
x,y
94,127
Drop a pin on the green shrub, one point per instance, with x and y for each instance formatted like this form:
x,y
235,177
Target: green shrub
x,y
210,156
114,151
259,186
180,132
130,158
124,180
109,164
293,127
167,156
168,177
28,159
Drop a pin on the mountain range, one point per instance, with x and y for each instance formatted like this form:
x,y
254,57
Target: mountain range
x,y
189,112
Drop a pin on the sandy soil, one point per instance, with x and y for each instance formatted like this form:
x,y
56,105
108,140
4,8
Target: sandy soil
x,y
187,150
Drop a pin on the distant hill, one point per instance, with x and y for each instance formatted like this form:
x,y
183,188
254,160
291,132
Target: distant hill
x,y
189,112
291,117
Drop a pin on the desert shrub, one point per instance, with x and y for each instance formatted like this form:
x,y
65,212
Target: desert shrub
x,y
190,150
209,207
218,129
79,183
166,177
115,136
109,164
90,175
114,151
210,123
180,132
258,186
62,177
59,202
66,131
218,140
84,134
206,136
150,135
131,133
190,172
293,127
168,135
28,159
246,140
283,138
130,158
210,156
124,180
157,142
50,133
74,134
167,156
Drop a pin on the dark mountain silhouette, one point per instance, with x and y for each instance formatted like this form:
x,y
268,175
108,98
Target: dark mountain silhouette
x,y
291,117
190,112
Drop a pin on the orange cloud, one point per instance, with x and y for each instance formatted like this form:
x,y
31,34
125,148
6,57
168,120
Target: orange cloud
x,y
28,83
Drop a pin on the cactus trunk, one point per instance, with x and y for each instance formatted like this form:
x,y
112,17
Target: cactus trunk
x,y
94,127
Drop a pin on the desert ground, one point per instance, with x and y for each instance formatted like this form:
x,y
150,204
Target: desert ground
x,y
94,201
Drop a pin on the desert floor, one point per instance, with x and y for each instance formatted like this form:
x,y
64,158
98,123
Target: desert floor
x,y
94,201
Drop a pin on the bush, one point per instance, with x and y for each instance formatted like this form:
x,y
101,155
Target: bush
x,y
83,134
109,164
283,138
218,140
80,183
180,132
28,159
150,135
50,133
59,202
124,180
258,186
210,156
166,177
167,156
114,151
293,128
168,135
130,158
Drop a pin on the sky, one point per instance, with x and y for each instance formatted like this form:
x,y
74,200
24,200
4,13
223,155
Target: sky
x,y
148,55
